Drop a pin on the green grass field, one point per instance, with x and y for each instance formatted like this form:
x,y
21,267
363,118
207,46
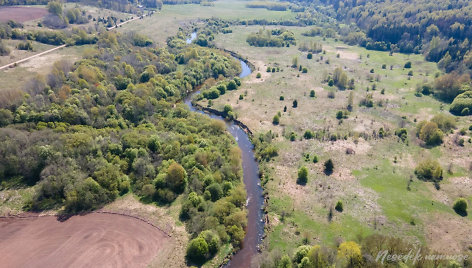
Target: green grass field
x,y
373,182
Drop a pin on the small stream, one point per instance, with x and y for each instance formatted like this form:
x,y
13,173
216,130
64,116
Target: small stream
x,y
255,199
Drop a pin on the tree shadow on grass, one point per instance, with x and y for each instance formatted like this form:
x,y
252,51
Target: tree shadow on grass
x,y
461,213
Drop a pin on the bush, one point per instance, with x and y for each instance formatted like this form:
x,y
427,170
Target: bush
x,y
349,253
276,119
444,122
429,170
462,104
329,167
308,134
339,206
402,133
295,104
4,50
309,56
232,85
407,65
312,93
302,176
281,98
258,75
430,133
300,253
197,250
304,70
460,206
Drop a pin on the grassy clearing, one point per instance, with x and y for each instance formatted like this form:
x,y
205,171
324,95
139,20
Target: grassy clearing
x,y
167,21
373,182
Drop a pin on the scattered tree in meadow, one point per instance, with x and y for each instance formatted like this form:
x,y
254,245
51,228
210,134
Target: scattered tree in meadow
x,y
329,167
276,119
430,133
429,170
339,206
460,206
302,175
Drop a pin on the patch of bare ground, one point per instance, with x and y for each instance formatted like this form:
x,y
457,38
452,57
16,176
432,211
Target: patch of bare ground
x,y
260,67
359,147
174,254
447,233
92,240
343,52
452,189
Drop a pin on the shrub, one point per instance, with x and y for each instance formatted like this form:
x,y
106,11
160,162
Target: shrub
x,y
444,122
295,104
232,85
308,134
222,89
429,170
302,176
276,119
462,104
315,159
6,117
339,115
309,56
258,75
339,206
4,50
460,206
293,136
304,70
301,252
312,93
407,65
402,133
349,253
430,133
197,250
328,167
281,98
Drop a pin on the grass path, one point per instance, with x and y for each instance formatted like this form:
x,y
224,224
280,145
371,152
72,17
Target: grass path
x,y
31,57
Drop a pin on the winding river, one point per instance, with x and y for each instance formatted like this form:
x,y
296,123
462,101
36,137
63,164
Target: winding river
x,y
255,199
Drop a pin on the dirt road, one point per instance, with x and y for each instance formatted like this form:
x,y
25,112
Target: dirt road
x,y
31,57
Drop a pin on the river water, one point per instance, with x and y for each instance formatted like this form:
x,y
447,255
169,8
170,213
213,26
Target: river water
x,y
255,199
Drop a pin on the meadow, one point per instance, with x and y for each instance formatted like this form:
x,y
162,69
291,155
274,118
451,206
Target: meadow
x,y
373,176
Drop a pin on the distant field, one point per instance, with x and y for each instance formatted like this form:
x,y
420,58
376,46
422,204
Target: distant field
x,y
21,14
167,21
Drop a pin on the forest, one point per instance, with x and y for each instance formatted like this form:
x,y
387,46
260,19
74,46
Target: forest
x,y
113,123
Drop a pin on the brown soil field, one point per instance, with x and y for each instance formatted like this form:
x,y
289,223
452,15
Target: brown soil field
x,y
93,240
21,14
